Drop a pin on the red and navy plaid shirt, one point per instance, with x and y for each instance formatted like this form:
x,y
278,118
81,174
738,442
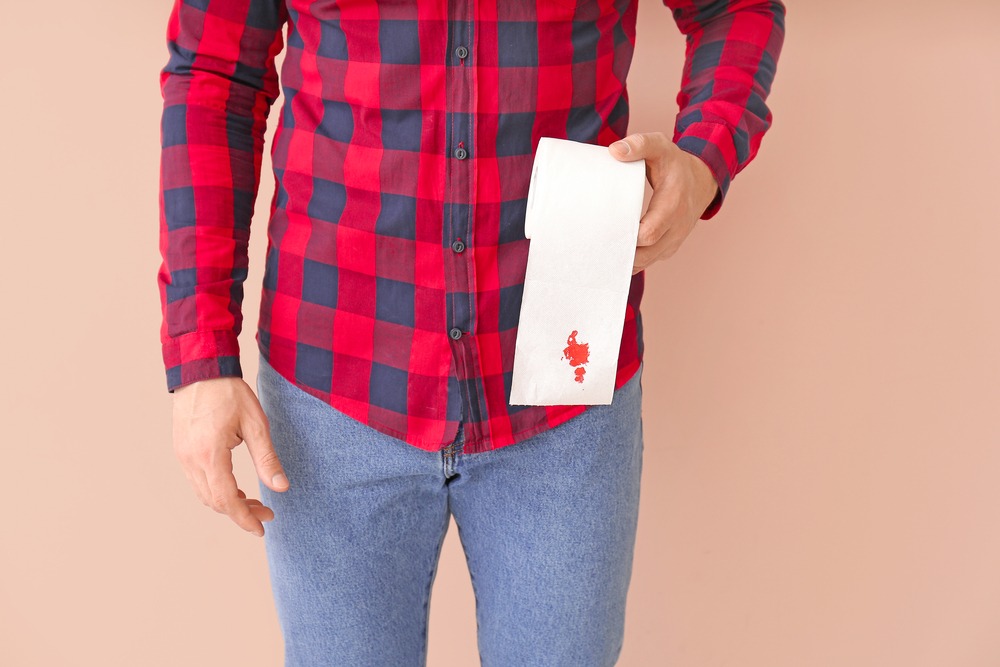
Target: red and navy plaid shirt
x,y
396,252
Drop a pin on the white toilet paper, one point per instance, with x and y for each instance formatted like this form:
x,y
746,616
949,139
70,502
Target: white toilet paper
x,y
582,218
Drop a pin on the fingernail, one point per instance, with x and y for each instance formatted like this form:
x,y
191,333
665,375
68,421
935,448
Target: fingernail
x,y
279,480
623,146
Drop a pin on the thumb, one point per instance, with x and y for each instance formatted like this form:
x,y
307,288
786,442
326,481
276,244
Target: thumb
x,y
635,146
265,458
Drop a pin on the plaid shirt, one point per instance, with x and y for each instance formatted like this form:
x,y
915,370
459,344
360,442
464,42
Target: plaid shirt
x,y
396,252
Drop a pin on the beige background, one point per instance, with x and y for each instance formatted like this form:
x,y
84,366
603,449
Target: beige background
x,y
823,376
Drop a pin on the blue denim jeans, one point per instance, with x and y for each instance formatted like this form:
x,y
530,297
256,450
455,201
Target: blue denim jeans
x,y
548,527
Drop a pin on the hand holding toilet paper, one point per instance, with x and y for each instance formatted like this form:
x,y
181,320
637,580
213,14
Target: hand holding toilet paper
x,y
582,219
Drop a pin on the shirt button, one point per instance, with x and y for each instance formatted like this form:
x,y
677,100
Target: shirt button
x,y
455,333
462,52
460,153
457,245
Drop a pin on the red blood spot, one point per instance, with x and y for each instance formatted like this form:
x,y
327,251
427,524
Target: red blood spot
x,y
577,354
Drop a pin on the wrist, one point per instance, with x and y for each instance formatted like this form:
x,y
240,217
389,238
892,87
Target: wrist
x,y
706,188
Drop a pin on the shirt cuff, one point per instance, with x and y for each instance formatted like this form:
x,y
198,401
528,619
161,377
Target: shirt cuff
x,y
201,355
711,142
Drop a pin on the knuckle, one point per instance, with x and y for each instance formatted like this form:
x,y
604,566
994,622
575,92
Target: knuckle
x,y
255,429
269,459
648,234
194,450
220,502
202,459
243,517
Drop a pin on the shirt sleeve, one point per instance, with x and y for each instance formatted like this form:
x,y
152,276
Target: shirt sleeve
x,y
731,54
218,87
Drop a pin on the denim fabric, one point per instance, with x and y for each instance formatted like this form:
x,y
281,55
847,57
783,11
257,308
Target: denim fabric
x,y
548,526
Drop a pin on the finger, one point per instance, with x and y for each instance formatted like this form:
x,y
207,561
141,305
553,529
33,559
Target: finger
x,y
259,509
197,480
192,464
643,258
190,479
653,224
660,250
225,494
256,433
638,146
660,216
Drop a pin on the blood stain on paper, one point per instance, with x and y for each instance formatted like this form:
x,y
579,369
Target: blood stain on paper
x,y
577,354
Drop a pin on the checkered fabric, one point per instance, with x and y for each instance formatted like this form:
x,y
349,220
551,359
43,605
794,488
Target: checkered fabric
x,y
396,252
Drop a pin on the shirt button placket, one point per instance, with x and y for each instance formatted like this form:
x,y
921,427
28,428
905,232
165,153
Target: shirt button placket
x,y
458,191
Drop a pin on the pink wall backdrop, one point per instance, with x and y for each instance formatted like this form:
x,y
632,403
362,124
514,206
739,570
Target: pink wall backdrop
x,y
823,373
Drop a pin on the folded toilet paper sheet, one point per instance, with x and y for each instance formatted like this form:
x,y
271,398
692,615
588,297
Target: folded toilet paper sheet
x,y
582,220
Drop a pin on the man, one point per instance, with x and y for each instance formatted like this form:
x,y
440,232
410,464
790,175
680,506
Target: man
x,y
392,287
